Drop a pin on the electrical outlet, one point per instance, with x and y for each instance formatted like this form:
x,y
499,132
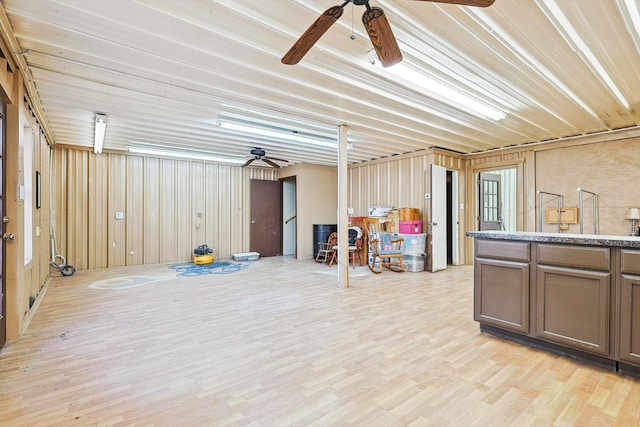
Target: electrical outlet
x,y
119,215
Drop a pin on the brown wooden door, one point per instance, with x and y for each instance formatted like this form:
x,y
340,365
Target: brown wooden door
x,y
3,289
266,217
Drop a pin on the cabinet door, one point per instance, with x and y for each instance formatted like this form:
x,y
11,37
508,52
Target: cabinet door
x,y
502,294
572,308
630,319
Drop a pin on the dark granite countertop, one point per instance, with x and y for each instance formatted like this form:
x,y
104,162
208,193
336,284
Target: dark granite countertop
x,y
560,238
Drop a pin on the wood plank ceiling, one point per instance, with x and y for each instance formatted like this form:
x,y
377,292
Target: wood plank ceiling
x,y
168,72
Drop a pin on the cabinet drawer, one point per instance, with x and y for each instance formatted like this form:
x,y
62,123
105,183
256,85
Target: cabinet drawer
x,y
575,256
630,261
500,249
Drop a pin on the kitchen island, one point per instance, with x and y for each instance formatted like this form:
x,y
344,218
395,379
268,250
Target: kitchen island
x,y
575,294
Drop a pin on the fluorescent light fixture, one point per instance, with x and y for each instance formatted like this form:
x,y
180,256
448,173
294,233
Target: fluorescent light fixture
x,y
444,93
565,26
632,9
191,155
100,129
280,134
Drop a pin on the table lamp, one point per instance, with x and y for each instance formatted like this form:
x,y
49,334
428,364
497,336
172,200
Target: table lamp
x,y
633,214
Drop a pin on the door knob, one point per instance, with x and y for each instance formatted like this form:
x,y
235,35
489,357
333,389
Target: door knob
x,y
6,236
253,222
6,219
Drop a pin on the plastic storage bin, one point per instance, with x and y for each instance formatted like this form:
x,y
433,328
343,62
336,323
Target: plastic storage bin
x,y
411,227
414,244
414,263
246,256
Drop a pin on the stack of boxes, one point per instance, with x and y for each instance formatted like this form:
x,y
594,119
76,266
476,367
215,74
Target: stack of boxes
x,y
406,222
415,242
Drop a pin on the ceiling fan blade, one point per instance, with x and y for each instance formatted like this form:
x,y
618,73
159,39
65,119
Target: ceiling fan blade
x,y
276,159
479,3
247,163
312,35
382,38
269,162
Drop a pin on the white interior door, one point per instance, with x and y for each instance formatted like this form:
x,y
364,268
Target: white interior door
x,y
438,218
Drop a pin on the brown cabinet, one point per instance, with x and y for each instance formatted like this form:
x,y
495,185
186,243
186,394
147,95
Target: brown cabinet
x,y
629,345
569,294
572,308
573,296
503,271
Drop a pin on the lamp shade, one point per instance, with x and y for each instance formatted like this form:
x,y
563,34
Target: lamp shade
x,y
632,213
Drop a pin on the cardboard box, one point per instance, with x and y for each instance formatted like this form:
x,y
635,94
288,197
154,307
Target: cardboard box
x,y
409,214
379,211
394,221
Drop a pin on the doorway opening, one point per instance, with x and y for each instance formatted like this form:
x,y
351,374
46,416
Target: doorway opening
x,y
444,223
453,223
289,217
497,199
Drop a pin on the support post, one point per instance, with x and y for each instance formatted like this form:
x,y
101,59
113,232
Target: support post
x,y
343,219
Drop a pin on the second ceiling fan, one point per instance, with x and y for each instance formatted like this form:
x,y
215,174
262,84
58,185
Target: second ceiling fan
x,y
376,24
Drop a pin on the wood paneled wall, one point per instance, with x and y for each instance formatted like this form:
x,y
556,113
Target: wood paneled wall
x,y
169,207
400,182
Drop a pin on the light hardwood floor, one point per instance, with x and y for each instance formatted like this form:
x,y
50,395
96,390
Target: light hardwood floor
x,y
278,344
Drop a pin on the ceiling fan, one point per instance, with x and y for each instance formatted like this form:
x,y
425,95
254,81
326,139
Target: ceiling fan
x,y
260,154
376,24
